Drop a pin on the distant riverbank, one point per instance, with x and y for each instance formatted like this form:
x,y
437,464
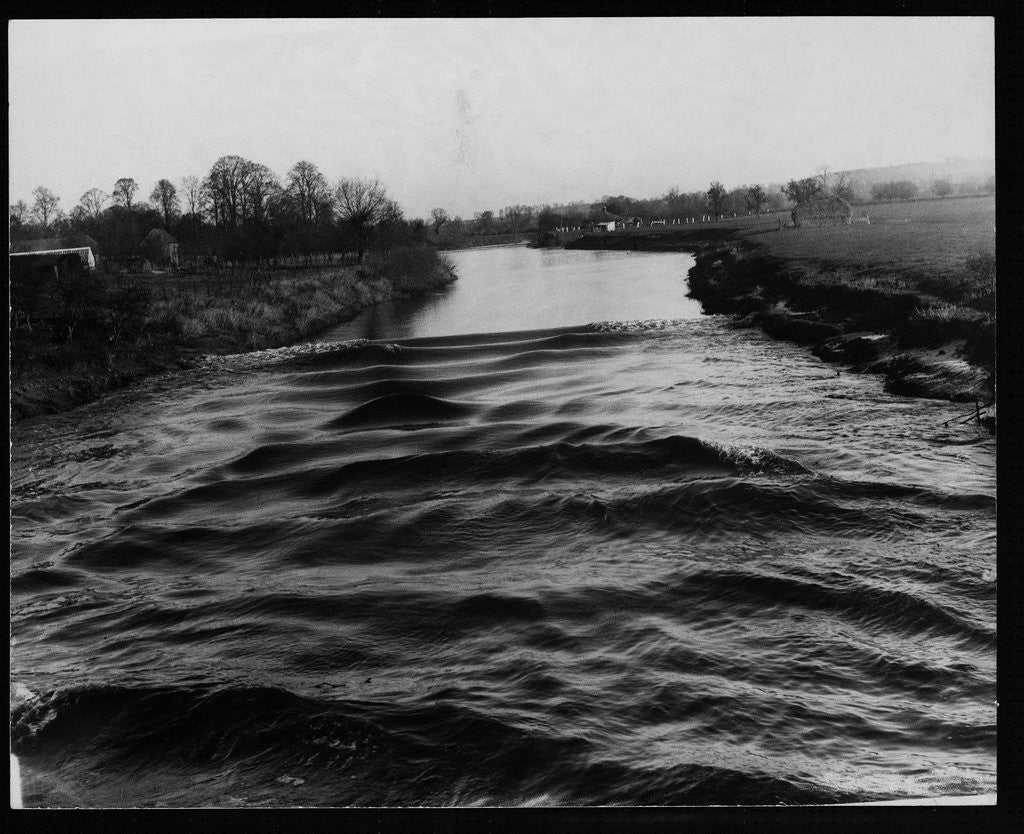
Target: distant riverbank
x,y
189,316
909,294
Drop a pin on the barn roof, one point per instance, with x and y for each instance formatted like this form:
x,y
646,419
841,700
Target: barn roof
x,y
160,234
51,244
604,216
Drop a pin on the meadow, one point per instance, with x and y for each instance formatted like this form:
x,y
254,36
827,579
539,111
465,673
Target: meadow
x,y
923,237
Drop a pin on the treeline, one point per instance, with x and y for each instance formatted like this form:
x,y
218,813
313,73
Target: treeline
x,y
485,227
240,212
521,219
715,201
94,326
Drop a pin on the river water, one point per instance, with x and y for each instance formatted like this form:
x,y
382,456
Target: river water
x,y
551,537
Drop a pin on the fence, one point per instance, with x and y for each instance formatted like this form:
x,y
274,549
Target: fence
x,y
667,223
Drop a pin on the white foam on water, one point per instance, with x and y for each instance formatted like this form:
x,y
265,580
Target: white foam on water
x,y
261,358
637,325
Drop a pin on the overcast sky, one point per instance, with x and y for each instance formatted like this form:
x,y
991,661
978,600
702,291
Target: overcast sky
x,y
472,115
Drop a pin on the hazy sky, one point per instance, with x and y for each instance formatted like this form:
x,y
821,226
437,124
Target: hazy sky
x,y
479,114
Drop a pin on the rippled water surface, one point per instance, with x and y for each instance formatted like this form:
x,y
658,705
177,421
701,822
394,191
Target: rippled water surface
x,y
621,554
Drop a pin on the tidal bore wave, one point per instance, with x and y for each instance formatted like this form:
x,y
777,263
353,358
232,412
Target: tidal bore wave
x,y
658,564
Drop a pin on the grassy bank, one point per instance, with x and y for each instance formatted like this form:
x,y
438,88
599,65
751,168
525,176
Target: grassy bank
x,y
910,294
57,366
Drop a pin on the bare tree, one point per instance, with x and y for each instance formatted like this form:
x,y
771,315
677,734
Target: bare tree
x,y
125,190
79,216
800,191
757,199
192,188
93,201
45,206
517,216
165,199
844,186
308,189
362,203
438,217
716,198
226,186
484,222
392,212
19,212
823,171
260,186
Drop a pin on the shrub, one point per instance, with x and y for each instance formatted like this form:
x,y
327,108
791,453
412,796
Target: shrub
x,y
973,286
937,324
411,269
895,190
127,309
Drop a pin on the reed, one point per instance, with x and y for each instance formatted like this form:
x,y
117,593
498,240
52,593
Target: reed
x,y
70,354
256,311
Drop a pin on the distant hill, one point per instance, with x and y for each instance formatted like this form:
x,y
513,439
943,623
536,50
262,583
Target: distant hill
x,y
963,174
923,172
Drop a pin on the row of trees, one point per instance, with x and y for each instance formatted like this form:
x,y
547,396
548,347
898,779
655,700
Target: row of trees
x,y
842,184
514,220
240,211
719,201
908,189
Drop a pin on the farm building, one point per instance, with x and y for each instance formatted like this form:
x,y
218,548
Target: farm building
x,y
57,248
823,210
160,248
604,220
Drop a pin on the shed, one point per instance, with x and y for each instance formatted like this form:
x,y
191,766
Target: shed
x,y
161,248
82,246
605,220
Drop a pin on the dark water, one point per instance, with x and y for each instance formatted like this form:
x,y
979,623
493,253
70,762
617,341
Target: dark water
x,y
661,563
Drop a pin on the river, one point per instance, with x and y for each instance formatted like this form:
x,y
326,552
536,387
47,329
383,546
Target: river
x,y
550,537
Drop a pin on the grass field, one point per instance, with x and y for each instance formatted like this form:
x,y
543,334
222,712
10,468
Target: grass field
x,y
924,237
920,238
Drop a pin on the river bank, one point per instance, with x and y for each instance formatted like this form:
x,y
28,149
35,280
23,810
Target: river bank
x,y
193,316
898,296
